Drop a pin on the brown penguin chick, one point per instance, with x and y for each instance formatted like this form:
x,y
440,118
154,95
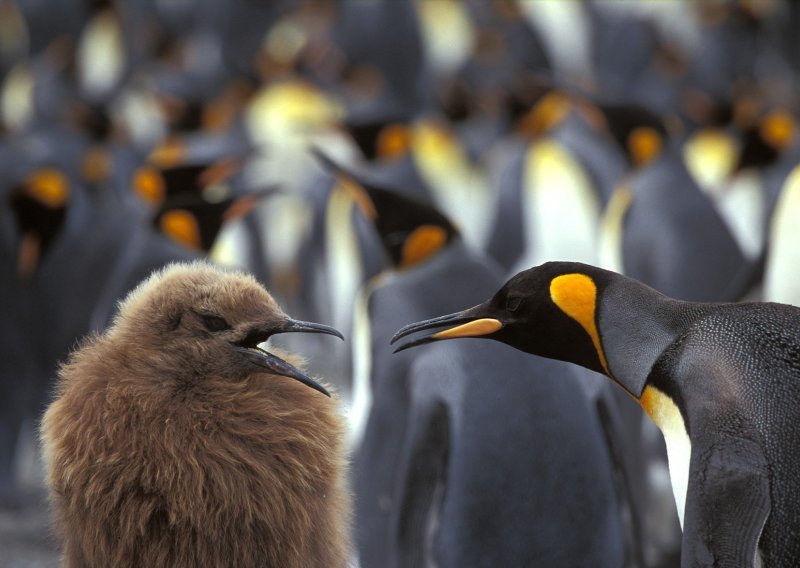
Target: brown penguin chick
x,y
174,441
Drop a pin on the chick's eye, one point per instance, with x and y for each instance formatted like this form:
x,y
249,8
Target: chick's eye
x,y
513,303
214,323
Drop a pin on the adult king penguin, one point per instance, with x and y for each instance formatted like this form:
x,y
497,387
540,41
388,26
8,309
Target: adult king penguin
x,y
722,382
434,472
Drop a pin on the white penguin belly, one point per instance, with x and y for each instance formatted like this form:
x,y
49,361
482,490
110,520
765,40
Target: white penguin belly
x,y
663,411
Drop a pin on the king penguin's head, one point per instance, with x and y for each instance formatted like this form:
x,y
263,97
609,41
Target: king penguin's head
x,y
548,310
207,321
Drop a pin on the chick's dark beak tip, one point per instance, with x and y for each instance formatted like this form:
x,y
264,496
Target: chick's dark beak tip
x,y
278,366
296,326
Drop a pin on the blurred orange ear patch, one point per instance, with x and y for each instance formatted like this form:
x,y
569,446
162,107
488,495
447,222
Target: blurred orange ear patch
x,y
422,243
545,114
181,226
576,296
49,187
148,183
644,144
393,141
778,129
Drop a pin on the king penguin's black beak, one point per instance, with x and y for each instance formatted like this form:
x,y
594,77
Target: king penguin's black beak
x,y
468,323
249,348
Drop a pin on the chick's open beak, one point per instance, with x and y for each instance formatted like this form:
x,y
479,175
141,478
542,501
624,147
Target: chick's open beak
x,y
468,323
249,348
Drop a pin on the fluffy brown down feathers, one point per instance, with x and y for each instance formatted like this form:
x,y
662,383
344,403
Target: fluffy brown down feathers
x,y
165,448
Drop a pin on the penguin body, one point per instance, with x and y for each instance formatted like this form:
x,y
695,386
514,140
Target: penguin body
x,y
674,240
173,439
547,205
781,263
430,472
102,248
720,380
376,462
497,492
743,374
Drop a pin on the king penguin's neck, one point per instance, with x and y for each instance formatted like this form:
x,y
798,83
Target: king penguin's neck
x,y
637,325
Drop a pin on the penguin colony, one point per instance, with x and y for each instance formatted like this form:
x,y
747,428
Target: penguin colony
x,y
373,164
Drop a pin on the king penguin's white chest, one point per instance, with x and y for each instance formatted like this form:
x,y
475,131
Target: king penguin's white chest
x,y
663,411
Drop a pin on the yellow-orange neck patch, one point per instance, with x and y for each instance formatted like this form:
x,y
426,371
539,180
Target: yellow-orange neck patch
x,y
576,296
424,241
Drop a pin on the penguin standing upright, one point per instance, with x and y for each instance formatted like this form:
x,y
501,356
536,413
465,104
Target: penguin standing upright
x,y
432,467
722,382
207,455
661,229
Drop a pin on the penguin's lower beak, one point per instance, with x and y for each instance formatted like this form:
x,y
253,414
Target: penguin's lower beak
x,y
249,348
468,323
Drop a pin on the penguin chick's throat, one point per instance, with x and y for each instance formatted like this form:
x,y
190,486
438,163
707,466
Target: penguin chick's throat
x,y
576,296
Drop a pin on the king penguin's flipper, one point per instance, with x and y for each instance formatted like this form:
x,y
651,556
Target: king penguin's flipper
x,y
739,493
728,498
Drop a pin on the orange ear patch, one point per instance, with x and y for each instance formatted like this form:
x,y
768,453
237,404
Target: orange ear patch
x,y
576,296
778,129
550,110
49,187
181,226
644,144
424,241
393,141
148,184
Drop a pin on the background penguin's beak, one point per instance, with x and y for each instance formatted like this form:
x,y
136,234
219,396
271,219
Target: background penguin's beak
x,y
467,323
249,348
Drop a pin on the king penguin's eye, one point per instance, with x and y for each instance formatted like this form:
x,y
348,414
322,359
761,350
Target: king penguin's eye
x,y
513,303
214,323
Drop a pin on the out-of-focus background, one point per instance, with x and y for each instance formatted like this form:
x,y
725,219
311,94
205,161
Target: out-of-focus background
x,y
657,139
